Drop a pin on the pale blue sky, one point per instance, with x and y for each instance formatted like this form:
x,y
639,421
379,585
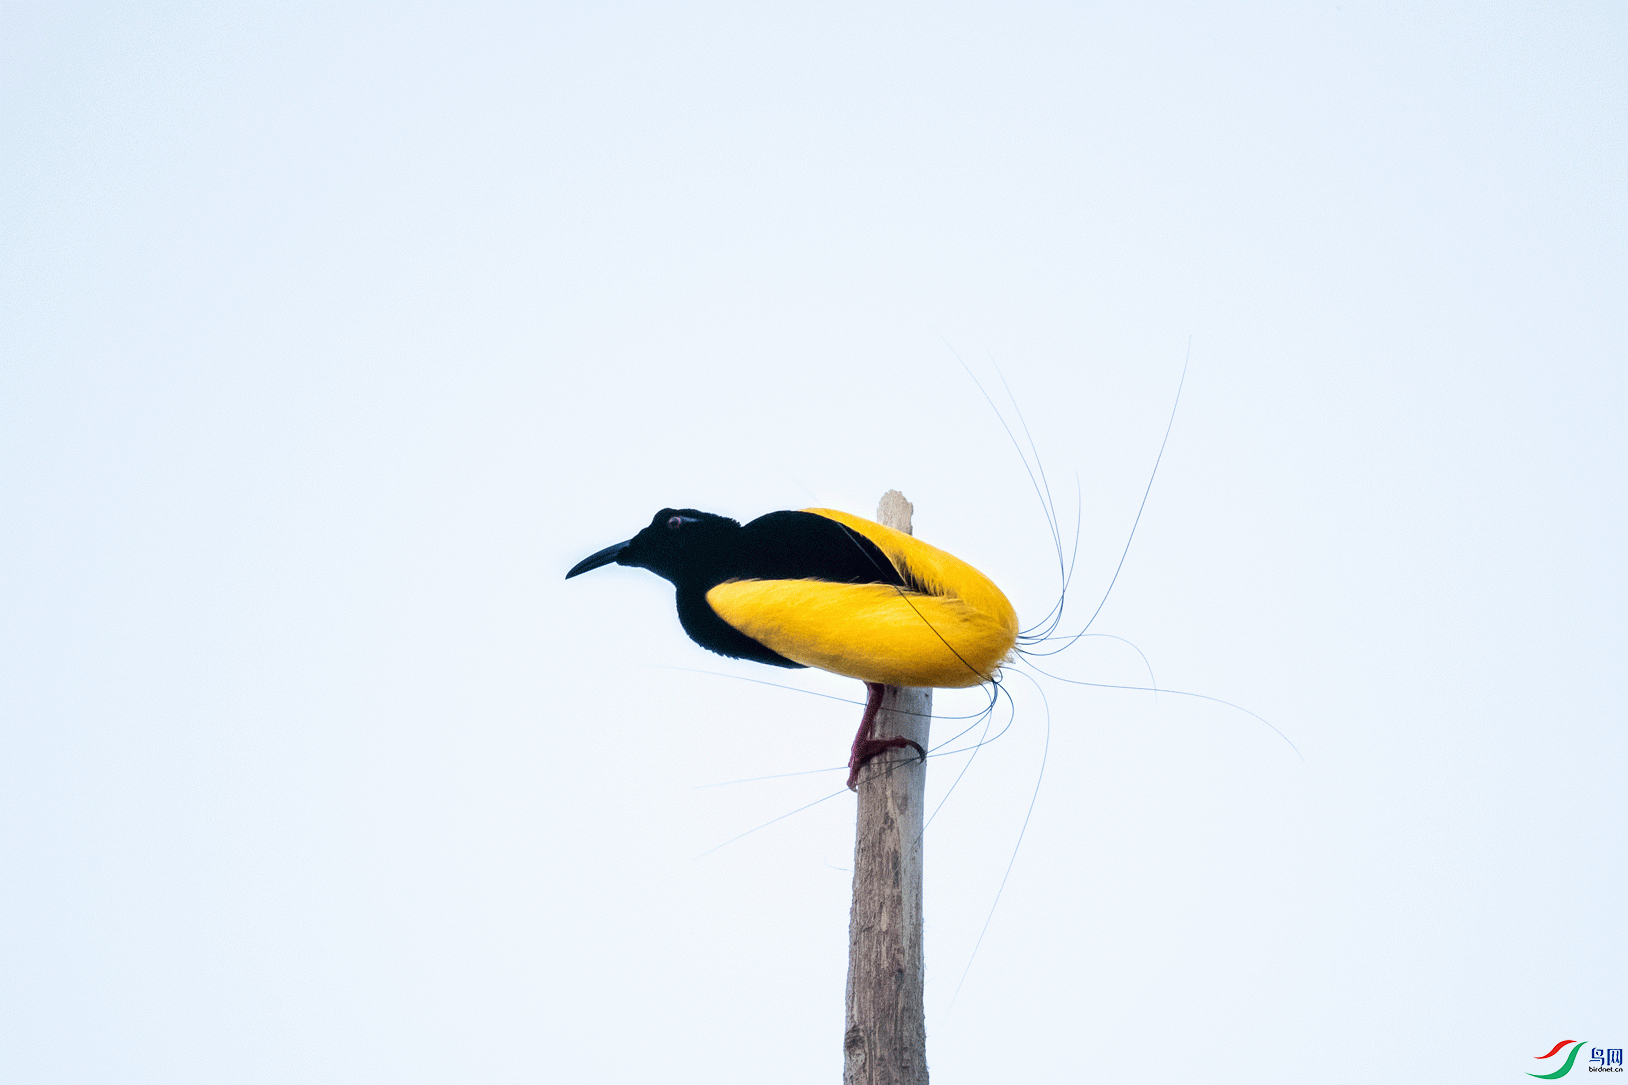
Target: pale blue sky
x,y
334,335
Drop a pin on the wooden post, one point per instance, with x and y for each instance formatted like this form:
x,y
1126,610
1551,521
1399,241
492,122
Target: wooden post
x,y
886,1038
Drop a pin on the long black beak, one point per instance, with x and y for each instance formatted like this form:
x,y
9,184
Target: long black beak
x,y
594,561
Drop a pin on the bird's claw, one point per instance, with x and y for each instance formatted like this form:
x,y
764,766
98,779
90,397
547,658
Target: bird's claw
x,y
868,748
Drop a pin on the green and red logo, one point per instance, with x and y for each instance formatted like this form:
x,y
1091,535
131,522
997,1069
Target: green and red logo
x,y
1608,1058
1576,1046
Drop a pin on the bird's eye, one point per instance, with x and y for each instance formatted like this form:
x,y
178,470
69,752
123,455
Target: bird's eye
x,y
674,522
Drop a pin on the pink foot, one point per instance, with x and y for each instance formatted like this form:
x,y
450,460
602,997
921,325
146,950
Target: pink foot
x,y
865,747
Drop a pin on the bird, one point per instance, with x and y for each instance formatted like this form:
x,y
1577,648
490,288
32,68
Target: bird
x,y
827,589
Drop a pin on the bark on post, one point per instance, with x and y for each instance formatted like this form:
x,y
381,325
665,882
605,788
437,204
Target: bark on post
x,y
886,1038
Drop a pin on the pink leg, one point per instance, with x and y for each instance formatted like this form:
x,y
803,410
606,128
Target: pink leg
x,y
866,747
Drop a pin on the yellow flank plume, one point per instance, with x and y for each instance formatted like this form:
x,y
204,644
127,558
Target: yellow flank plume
x,y
955,632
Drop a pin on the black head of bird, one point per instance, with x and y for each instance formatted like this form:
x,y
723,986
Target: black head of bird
x,y
683,546
820,588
